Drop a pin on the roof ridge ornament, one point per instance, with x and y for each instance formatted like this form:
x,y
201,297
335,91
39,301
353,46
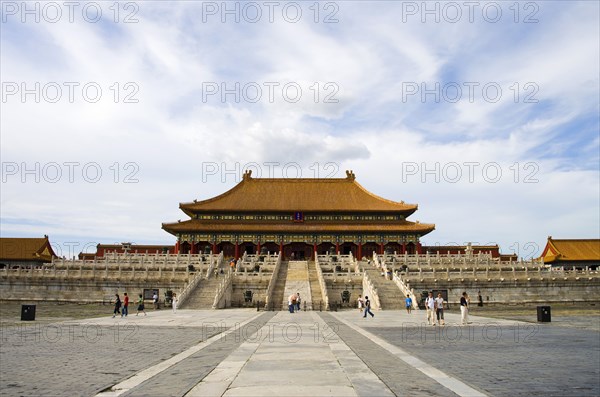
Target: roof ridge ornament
x,y
247,175
350,175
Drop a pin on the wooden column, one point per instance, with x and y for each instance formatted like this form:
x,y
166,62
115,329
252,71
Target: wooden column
x,y
314,254
258,249
419,248
214,248
176,247
380,248
193,249
359,252
404,248
281,250
337,247
237,251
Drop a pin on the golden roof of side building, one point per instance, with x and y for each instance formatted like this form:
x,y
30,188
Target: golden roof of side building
x,y
26,249
571,250
298,194
196,225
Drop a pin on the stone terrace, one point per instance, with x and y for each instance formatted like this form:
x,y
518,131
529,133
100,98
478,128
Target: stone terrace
x,y
331,282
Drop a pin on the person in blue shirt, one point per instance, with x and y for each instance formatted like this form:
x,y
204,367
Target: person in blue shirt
x,y
408,302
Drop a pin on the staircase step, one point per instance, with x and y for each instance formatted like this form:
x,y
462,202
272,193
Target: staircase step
x,y
204,295
390,296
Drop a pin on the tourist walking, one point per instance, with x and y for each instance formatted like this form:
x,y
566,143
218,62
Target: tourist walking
x,y
298,301
291,302
125,310
408,303
140,307
155,300
430,306
464,308
368,307
117,305
361,303
174,302
439,309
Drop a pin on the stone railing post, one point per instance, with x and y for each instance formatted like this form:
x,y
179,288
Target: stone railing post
x,y
406,290
184,294
271,286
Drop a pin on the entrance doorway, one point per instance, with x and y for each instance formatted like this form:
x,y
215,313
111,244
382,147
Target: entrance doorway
x,y
298,251
297,255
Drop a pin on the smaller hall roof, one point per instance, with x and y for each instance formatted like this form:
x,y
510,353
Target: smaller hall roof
x,y
26,249
571,250
298,194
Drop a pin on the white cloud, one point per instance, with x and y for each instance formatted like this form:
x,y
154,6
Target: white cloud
x,y
369,54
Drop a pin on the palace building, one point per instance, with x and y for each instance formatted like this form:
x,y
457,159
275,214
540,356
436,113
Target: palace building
x,y
572,253
23,252
297,217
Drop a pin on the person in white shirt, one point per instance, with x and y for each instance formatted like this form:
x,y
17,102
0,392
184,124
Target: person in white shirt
x,y
155,300
439,309
464,308
430,306
174,302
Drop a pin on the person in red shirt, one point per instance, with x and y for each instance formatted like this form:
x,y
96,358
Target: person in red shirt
x,y
125,305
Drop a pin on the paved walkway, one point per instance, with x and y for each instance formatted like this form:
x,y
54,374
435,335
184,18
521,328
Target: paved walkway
x,y
241,352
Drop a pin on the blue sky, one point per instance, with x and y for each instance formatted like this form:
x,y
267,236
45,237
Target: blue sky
x,y
508,167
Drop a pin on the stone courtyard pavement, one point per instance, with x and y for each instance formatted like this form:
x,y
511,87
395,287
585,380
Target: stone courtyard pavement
x,y
241,352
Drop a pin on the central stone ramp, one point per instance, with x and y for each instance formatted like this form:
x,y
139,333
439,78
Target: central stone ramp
x,y
292,355
297,282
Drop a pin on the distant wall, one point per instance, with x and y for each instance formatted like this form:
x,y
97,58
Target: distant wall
x,y
257,284
514,292
74,290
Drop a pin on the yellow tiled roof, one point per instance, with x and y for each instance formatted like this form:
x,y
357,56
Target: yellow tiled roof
x,y
26,249
298,194
209,226
571,250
